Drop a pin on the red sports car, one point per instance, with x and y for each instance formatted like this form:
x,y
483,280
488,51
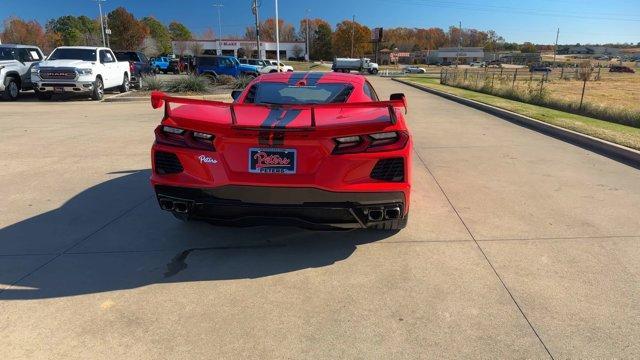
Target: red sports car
x,y
315,150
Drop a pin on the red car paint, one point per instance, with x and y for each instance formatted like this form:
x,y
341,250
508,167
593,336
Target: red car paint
x,y
240,176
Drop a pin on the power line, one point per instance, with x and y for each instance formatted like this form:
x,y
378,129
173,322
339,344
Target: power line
x,y
505,9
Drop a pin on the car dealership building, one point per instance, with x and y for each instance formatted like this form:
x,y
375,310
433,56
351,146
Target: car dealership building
x,y
239,48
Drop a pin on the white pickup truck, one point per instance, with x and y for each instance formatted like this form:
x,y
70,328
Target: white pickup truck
x,y
15,68
80,70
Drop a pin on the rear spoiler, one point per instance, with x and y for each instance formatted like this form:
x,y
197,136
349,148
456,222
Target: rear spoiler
x,y
159,98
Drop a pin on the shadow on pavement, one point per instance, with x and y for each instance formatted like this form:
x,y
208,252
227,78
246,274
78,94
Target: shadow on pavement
x,y
113,236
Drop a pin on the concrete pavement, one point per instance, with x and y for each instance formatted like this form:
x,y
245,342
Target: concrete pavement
x,y
518,246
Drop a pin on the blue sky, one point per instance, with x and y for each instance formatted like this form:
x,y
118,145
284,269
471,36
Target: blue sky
x,y
586,21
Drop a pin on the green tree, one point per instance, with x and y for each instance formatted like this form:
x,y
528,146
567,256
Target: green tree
x,y
343,35
179,32
75,31
528,48
321,47
127,33
160,34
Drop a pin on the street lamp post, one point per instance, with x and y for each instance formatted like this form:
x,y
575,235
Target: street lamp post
x,y
104,43
308,42
277,38
219,6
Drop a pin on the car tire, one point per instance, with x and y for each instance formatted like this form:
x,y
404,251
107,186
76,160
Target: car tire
x,y
393,225
98,90
11,89
138,85
164,72
44,95
125,84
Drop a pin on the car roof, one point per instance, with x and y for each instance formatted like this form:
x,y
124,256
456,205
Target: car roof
x,y
17,46
81,47
324,77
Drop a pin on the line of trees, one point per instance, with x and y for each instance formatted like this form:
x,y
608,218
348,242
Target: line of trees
x,y
147,34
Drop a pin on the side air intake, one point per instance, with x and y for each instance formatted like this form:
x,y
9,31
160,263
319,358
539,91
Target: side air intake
x,y
167,163
389,170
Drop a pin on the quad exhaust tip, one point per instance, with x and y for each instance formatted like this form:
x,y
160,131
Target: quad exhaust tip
x,y
392,213
177,206
180,207
376,214
379,214
166,205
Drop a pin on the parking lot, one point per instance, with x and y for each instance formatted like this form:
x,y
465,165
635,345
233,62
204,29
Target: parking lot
x,y
518,246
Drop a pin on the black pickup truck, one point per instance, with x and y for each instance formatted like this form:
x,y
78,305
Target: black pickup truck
x,y
139,66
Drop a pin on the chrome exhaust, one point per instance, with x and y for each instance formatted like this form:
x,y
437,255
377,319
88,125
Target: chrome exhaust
x,y
166,205
375,214
392,213
180,207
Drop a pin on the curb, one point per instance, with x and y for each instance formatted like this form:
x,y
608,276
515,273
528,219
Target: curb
x,y
614,151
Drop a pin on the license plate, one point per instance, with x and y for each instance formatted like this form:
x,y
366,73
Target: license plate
x,y
58,89
272,161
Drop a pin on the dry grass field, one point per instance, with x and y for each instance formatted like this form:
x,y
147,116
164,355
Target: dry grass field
x,y
612,89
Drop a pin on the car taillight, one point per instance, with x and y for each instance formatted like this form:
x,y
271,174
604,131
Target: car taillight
x,y
169,135
385,141
131,67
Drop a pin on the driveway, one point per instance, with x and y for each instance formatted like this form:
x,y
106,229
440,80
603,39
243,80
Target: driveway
x,y
518,246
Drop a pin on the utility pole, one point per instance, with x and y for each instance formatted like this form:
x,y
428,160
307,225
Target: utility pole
x,y
459,46
254,9
104,43
308,43
555,49
107,31
219,6
353,32
277,38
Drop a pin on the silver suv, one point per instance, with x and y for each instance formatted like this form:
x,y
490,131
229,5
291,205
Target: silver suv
x,y
15,68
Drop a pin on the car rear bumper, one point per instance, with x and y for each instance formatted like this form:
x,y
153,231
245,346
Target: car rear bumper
x,y
264,205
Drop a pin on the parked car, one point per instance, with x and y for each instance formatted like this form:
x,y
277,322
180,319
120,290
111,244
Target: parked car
x,y
299,58
256,62
477,64
16,62
539,68
224,65
494,64
621,69
275,162
414,70
80,70
139,66
161,64
283,67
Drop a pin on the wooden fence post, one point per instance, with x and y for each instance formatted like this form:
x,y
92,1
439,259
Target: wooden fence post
x,y
477,76
465,75
584,85
515,75
541,84
562,73
493,75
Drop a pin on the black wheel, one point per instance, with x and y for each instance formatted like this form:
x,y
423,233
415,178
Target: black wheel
x,y
11,89
43,95
125,84
98,90
373,71
164,72
391,225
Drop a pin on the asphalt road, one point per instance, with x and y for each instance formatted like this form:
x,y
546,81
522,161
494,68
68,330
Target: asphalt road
x,y
518,246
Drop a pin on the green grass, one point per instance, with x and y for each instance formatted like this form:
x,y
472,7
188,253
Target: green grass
x,y
306,66
615,133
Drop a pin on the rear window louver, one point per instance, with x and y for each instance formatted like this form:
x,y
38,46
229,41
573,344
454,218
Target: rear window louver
x,y
251,95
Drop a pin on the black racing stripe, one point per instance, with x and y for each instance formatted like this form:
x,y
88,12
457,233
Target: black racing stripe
x,y
288,118
313,78
278,138
264,138
272,118
295,78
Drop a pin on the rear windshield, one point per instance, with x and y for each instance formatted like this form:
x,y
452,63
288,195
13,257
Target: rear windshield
x,y
127,56
73,54
282,93
6,53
